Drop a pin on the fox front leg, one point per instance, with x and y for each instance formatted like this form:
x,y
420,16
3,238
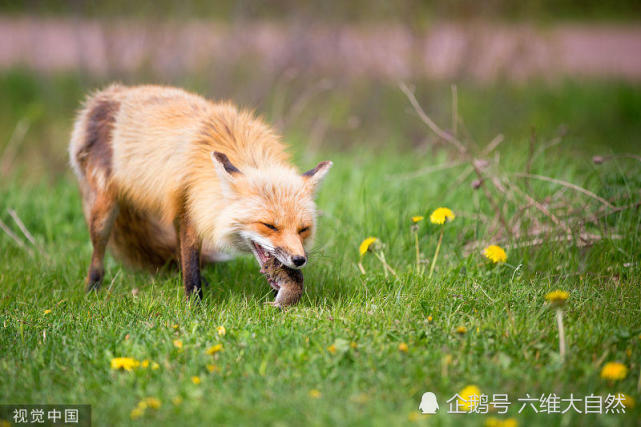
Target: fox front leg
x,y
190,258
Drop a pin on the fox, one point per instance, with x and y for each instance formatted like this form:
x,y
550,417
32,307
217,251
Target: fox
x,y
167,177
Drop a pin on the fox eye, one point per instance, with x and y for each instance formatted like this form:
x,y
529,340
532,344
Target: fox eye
x,y
304,229
270,226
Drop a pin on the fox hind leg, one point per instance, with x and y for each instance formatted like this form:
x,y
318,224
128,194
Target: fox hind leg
x,y
90,153
102,214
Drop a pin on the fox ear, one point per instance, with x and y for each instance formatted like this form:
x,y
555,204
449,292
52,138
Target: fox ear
x,y
226,171
313,177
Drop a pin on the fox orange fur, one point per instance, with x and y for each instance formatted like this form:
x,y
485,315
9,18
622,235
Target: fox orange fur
x,y
166,175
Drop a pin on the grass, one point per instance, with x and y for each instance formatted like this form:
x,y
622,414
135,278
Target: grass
x,y
272,362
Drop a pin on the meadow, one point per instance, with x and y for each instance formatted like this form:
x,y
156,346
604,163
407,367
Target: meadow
x,y
359,349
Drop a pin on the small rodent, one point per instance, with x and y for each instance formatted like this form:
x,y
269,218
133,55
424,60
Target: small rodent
x,y
286,282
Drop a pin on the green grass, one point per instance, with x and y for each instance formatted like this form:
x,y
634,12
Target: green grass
x,y
272,359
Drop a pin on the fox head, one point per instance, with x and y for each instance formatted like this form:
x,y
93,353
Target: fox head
x,y
270,211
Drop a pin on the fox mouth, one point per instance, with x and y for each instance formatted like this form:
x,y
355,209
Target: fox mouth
x,y
262,256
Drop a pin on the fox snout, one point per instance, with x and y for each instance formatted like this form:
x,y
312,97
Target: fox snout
x,y
292,255
294,261
299,261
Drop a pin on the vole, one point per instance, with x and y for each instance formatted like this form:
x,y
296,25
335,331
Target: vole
x,y
286,282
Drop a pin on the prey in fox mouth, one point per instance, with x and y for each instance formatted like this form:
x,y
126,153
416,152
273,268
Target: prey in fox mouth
x,y
286,282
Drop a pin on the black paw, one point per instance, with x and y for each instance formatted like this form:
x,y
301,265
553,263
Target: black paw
x,y
94,280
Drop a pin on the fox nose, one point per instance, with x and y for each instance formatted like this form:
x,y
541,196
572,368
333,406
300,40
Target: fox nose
x,y
298,260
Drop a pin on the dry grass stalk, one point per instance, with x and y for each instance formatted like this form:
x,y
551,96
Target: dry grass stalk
x,y
26,232
429,122
566,184
15,238
559,209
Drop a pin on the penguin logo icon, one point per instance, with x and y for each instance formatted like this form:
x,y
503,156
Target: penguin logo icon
x,y
428,405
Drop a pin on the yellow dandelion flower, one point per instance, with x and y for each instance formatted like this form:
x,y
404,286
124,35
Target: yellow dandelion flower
x,y
213,368
465,402
413,416
353,344
403,347
614,371
496,422
47,311
627,401
447,359
429,319
136,413
221,331
144,363
195,380
461,330
332,349
441,216
360,398
495,253
178,344
126,363
175,326
214,349
557,297
153,402
315,394
417,218
155,365
365,244
493,422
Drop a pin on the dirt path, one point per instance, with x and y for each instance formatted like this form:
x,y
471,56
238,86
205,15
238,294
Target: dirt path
x,y
445,51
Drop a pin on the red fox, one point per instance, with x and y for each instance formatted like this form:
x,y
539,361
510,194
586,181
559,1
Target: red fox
x,y
166,175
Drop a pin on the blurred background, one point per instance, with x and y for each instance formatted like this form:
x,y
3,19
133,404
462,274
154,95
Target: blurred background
x,y
326,74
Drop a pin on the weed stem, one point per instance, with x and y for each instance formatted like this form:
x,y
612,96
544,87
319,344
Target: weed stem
x,y
559,322
386,267
438,248
418,253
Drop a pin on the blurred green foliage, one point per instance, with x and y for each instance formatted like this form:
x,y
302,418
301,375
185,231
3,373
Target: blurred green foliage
x,y
594,118
417,11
